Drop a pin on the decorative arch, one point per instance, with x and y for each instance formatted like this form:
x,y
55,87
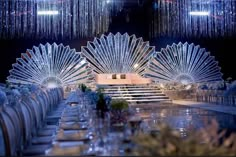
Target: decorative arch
x,y
51,66
183,63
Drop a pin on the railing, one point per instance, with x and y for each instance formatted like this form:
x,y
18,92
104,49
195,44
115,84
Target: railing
x,y
214,96
217,99
209,96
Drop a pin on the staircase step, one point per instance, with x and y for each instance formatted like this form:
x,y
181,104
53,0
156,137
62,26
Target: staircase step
x,y
149,100
148,97
111,89
141,91
115,86
137,94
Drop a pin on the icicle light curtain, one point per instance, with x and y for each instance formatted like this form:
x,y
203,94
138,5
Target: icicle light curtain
x,y
172,18
70,19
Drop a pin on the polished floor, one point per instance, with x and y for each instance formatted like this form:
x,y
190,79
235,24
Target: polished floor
x,y
208,106
185,116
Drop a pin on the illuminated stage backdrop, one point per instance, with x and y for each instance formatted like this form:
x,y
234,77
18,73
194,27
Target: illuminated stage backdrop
x,y
51,66
183,63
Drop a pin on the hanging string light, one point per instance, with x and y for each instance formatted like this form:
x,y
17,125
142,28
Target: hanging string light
x,y
60,19
193,18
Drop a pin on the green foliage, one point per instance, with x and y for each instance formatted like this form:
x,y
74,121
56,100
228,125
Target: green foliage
x,y
100,90
8,84
100,94
84,88
101,100
119,104
198,143
101,103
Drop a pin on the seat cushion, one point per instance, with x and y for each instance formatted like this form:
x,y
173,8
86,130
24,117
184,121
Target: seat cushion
x,y
36,150
42,140
46,132
53,118
54,114
49,127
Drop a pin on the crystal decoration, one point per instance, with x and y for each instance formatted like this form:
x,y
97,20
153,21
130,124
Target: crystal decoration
x,y
55,19
51,66
173,18
118,54
183,63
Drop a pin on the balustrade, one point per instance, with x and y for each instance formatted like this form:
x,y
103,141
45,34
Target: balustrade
x,y
216,97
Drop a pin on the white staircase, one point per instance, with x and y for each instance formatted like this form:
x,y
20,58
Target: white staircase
x,y
135,93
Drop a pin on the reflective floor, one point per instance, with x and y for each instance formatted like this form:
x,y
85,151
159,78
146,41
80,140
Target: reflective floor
x,y
184,118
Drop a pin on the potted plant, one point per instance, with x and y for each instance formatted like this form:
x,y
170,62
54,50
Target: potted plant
x,y
119,111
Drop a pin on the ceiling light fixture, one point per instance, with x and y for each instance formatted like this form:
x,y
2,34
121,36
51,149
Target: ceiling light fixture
x,y
135,66
199,13
48,12
188,87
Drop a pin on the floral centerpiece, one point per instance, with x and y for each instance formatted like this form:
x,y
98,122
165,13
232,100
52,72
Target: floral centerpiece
x,y
209,141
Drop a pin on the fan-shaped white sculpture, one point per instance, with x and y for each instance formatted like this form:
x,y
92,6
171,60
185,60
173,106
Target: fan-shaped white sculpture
x,y
50,66
118,54
185,63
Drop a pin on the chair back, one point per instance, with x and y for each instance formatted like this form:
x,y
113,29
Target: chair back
x,y
9,134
